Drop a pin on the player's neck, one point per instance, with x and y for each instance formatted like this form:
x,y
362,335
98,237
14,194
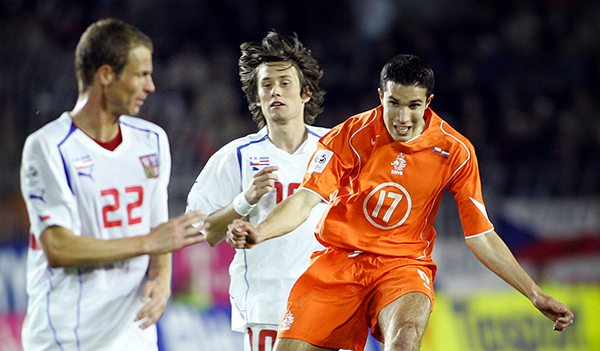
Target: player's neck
x,y
287,137
93,120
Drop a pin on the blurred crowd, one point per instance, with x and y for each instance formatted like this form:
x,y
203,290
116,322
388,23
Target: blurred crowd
x,y
517,77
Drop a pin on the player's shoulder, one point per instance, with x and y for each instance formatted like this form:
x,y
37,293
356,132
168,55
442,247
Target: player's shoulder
x,y
454,134
250,140
453,138
54,132
317,131
140,124
361,122
232,148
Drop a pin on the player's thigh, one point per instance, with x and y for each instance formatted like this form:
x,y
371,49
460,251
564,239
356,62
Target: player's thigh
x,y
327,305
260,337
286,344
411,309
395,292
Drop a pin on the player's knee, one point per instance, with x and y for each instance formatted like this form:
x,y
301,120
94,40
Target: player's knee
x,y
406,338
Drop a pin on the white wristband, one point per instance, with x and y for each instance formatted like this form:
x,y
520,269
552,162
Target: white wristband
x,y
241,205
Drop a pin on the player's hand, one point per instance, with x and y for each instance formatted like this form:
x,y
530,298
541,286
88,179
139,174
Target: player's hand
x,y
263,182
555,311
177,233
242,235
155,297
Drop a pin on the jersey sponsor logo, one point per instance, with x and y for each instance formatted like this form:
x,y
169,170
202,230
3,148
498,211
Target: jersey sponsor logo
x,y
320,161
387,206
438,150
256,162
151,165
287,321
398,165
84,166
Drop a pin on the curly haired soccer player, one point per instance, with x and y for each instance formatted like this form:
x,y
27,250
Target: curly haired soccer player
x,y
250,175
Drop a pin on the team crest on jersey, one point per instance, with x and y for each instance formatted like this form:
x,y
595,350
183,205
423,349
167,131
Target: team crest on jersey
x,y
287,321
256,162
151,165
399,164
84,166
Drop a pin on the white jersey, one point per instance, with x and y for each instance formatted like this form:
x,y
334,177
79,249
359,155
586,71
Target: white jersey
x,y
68,180
262,277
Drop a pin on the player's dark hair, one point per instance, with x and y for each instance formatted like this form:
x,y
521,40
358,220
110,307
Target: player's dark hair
x,y
408,70
107,41
275,48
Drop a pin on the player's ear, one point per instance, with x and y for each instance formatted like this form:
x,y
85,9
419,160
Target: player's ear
x,y
429,99
380,92
306,94
105,75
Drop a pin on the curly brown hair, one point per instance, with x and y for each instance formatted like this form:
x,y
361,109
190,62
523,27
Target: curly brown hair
x,y
273,48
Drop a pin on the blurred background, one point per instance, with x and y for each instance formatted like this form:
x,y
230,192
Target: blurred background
x,y
518,78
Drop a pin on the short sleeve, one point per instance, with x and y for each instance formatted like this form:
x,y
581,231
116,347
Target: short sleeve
x,y
160,202
466,188
331,165
217,184
45,188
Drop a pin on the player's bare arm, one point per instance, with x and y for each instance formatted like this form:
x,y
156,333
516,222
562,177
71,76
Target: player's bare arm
x,y
65,249
284,218
263,182
495,255
156,290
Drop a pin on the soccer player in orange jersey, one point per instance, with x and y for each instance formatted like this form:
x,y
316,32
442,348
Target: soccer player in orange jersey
x,y
383,173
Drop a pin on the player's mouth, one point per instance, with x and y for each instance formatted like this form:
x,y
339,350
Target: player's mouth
x,y
402,131
276,104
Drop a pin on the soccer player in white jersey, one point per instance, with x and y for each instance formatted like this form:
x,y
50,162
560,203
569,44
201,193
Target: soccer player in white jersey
x,y
250,175
95,183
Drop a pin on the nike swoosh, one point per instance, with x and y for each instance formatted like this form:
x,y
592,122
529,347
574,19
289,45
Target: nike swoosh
x,y
373,139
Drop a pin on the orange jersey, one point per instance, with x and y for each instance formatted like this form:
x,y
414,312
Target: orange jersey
x,y
384,194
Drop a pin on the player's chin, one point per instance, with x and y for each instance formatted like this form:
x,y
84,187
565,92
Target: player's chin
x,y
134,110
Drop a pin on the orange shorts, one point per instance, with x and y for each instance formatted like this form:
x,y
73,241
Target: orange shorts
x,y
335,302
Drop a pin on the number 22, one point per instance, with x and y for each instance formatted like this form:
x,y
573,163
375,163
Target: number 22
x,y
116,204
